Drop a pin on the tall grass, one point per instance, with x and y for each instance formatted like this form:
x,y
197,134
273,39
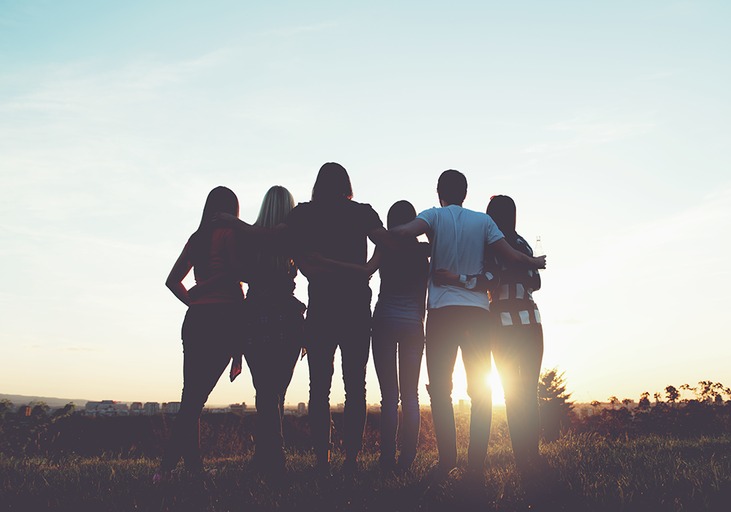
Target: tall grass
x,y
582,472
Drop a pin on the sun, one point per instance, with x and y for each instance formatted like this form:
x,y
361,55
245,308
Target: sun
x,y
459,380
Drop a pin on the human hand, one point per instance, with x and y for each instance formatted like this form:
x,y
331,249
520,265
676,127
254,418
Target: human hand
x,y
540,261
194,292
442,276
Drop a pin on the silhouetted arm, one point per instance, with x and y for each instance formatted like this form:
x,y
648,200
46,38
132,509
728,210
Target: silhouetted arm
x,y
175,279
411,229
329,264
475,282
503,249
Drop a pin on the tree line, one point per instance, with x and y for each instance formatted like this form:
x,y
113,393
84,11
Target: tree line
x,y
682,411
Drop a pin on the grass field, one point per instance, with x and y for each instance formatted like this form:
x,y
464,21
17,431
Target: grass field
x,y
583,472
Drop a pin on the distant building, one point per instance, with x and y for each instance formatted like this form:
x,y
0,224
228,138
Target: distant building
x,y
237,409
219,410
171,407
106,408
136,409
301,408
151,408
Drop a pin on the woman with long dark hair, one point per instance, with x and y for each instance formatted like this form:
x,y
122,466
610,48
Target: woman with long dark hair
x,y
211,329
338,315
517,338
398,339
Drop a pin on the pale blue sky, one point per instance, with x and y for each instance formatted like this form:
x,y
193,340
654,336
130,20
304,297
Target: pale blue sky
x,y
606,121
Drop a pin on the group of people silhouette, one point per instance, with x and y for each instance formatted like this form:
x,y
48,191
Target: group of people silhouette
x,y
476,271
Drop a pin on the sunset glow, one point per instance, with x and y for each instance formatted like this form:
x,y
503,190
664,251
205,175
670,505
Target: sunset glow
x,y
607,123
459,391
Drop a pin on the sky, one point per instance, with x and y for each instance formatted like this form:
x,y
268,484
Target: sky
x,y
607,122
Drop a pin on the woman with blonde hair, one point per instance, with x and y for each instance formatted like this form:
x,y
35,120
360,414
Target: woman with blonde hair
x,y
273,336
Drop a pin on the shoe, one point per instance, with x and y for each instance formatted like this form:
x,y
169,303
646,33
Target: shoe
x,y
440,473
475,476
350,466
322,469
387,467
403,465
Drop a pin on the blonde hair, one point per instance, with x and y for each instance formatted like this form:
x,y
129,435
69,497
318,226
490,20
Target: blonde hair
x,y
276,205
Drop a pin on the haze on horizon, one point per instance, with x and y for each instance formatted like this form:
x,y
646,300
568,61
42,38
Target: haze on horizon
x,y
607,123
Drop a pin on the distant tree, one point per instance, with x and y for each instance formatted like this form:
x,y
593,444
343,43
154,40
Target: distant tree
x,y
708,391
613,401
688,388
555,408
644,403
39,409
5,407
627,402
66,410
658,397
595,404
672,394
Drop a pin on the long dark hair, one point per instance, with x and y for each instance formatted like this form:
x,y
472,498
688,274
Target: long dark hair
x,y
400,212
502,210
220,199
332,183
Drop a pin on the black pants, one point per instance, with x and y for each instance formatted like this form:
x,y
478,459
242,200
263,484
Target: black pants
x,y
329,326
271,367
448,329
209,334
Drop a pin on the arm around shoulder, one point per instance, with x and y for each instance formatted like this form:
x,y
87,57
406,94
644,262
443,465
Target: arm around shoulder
x,y
413,228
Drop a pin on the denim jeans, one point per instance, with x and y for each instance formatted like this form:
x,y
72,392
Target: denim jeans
x,y
398,346
518,351
447,329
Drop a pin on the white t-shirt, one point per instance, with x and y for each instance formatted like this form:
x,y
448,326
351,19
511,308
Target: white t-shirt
x,y
458,238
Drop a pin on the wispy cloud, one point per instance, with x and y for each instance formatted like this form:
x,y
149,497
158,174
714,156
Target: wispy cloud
x,y
577,132
87,87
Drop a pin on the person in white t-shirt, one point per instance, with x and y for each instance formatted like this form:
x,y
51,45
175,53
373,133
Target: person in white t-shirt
x,y
457,314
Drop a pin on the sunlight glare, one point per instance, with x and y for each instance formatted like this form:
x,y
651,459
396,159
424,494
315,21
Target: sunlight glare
x,y
459,391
